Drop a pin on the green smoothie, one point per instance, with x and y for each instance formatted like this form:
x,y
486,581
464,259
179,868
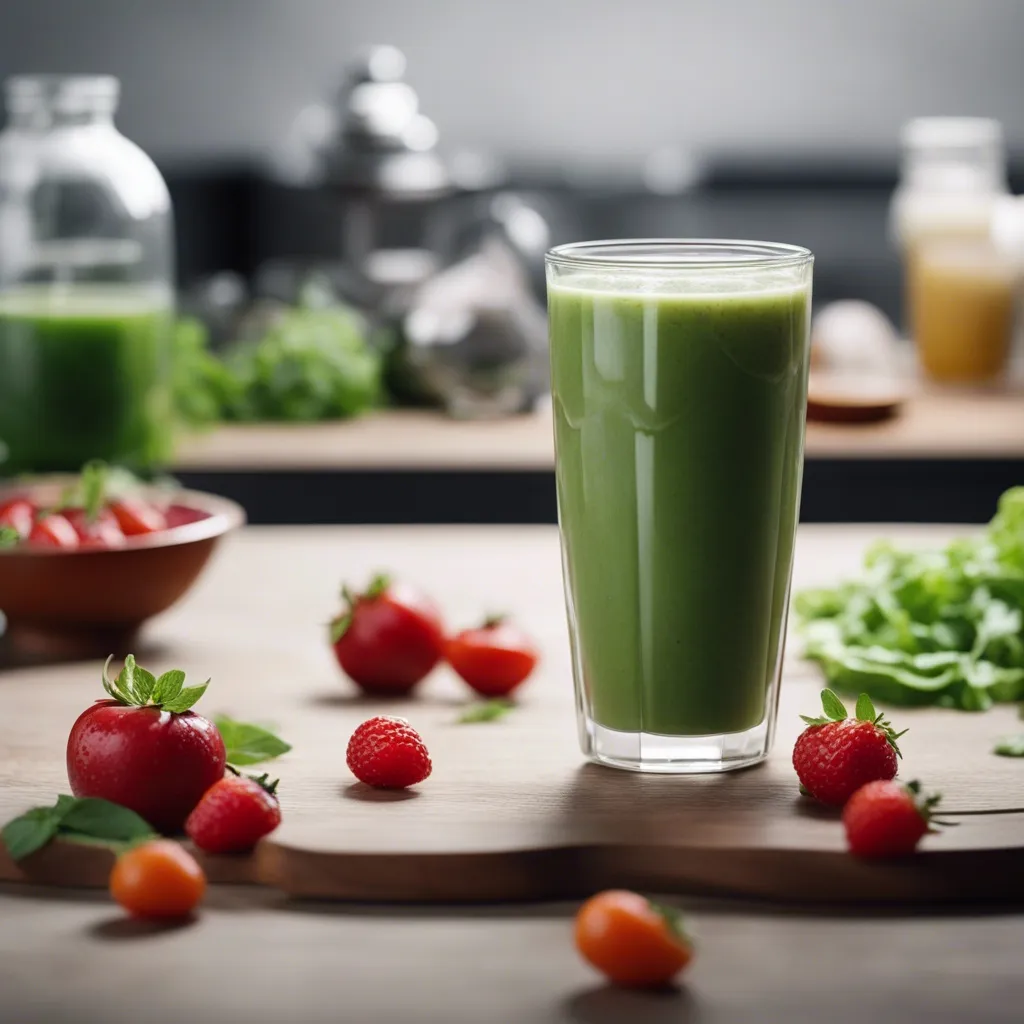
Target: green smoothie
x,y
83,376
679,428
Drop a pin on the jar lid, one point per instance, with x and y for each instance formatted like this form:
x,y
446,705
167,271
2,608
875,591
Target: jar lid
x,y
62,94
952,132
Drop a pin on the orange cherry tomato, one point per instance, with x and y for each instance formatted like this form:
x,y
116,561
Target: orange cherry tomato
x,y
159,879
633,942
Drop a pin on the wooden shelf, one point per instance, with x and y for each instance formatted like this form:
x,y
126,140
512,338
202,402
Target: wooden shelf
x,y
932,425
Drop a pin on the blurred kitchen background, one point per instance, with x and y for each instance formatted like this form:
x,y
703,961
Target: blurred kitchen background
x,y
407,163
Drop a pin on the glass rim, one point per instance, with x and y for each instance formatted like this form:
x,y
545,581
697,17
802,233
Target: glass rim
x,y
639,254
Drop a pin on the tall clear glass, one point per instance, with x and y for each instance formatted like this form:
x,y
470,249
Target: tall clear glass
x,y
679,382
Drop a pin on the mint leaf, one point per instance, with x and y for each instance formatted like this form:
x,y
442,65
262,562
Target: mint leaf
x,y
126,679
93,488
102,819
1010,746
833,706
82,819
145,683
9,537
34,829
186,697
168,686
485,711
246,743
865,709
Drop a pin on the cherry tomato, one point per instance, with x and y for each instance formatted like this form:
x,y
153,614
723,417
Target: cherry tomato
x,y
101,532
53,531
159,879
632,941
388,638
20,514
494,659
137,517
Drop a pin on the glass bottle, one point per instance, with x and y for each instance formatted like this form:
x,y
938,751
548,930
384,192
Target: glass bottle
x,y
959,288
86,283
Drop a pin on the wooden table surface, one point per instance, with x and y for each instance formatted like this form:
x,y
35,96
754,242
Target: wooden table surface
x,y
251,956
934,424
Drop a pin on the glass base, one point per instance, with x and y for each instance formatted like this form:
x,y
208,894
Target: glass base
x,y
675,755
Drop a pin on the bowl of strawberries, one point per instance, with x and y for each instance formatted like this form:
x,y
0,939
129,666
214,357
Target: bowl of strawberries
x,y
85,560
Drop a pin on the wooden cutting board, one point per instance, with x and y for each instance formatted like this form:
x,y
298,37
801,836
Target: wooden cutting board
x,y
510,811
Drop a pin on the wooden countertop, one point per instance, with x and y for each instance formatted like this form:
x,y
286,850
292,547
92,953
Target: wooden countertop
x,y
72,959
932,425
68,958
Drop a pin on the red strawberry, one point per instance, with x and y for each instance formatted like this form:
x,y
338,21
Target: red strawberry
x,y
234,814
836,755
388,752
888,819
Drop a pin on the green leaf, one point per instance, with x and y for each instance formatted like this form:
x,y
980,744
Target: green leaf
x,y
186,697
865,709
145,683
833,707
1010,746
339,626
138,687
674,922
101,819
9,537
485,711
247,744
31,831
82,819
126,679
93,488
168,686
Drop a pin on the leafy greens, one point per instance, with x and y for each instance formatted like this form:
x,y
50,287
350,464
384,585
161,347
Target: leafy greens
x,y
312,363
939,627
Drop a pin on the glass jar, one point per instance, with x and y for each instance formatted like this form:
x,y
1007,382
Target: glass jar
x,y
86,290
959,288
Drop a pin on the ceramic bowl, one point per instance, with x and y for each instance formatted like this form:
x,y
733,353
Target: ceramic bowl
x,y
91,603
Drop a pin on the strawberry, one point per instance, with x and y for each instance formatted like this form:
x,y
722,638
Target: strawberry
x,y
234,814
888,819
836,755
388,752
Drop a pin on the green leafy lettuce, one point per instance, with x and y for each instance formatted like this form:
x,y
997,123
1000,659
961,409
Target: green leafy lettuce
x,y
939,627
312,363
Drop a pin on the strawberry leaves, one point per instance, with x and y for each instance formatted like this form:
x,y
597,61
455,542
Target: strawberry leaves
x,y
834,710
927,804
135,686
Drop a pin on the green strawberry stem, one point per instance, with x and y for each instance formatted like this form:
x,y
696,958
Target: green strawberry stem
x,y
926,805
340,624
834,710
135,686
